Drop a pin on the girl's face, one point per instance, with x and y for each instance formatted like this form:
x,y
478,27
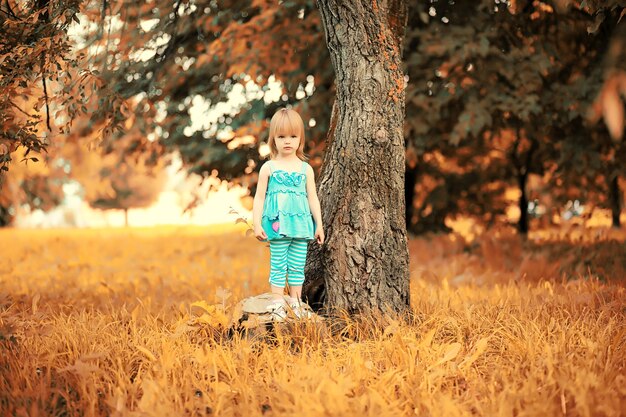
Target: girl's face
x,y
287,134
287,144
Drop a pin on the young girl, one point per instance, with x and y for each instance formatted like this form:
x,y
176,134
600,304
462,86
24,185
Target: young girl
x,y
286,210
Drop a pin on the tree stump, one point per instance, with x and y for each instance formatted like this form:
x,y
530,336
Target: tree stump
x,y
261,313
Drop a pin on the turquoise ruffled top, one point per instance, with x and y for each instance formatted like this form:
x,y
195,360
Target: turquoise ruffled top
x,y
286,211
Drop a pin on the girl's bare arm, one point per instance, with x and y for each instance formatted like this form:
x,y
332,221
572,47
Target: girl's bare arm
x,y
259,199
314,202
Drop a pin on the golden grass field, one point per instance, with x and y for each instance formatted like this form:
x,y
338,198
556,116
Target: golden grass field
x,y
133,322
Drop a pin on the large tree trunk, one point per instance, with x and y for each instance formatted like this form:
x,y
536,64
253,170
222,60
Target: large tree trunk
x,y
364,262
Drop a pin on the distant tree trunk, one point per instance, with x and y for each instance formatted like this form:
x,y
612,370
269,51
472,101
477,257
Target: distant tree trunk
x,y
522,169
6,218
615,201
126,217
364,262
435,222
522,225
410,179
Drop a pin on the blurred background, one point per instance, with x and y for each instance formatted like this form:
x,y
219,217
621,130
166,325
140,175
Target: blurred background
x,y
121,113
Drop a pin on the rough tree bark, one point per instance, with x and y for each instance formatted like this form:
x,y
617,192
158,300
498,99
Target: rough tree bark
x,y
363,265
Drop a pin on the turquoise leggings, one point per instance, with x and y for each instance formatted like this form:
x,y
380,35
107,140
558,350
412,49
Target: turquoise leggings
x,y
287,259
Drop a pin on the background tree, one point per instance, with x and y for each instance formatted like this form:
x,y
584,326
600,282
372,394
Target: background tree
x,y
163,61
43,84
36,180
607,25
455,102
116,180
481,73
588,167
31,185
44,87
173,59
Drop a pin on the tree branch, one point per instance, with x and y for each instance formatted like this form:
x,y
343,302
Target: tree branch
x,y
18,107
11,12
45,93
171,43
103,13
45,18
5,12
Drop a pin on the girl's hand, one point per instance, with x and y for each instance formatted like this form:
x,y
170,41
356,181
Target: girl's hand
x,y
319,235
259,233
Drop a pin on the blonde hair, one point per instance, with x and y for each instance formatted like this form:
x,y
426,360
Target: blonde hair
x,y
286,122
